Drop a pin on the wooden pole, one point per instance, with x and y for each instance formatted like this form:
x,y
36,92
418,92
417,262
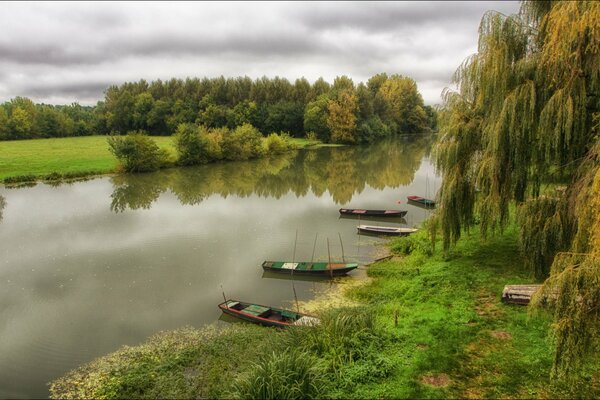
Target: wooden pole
x,y
314,247
224,298
295,241
329,255
342,244
293,261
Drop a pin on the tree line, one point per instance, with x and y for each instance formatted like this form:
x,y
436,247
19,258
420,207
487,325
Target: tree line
x,y
341,112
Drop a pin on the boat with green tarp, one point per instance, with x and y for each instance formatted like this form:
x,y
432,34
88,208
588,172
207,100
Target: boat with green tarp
x,y
309,268
267,316
421,201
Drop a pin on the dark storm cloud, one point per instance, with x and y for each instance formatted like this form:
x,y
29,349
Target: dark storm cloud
x,y
68,52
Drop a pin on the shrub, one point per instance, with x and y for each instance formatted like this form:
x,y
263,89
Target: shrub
x,y
418,243
137,152
291,374
311,136
243,143
277,144
191,149
214,139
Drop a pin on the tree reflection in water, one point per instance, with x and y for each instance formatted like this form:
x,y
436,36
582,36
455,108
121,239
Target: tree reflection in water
x,y
341,171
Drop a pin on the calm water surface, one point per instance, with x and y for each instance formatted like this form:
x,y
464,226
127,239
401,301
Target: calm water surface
x,y
88,267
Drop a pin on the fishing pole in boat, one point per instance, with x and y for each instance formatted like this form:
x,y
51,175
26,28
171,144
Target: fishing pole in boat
x,y
312,259
293,261
329,255
224,297
342,245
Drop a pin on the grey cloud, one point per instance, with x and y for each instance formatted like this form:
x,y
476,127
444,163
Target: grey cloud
x,y
385,16
74,51
67,89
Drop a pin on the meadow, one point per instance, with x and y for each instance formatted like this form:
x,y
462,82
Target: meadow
x,y
39,159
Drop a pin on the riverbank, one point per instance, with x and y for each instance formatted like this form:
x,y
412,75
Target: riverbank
x,y
68,158
422,326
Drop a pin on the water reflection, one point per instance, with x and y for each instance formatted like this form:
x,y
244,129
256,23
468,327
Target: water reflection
x,y
343,172
2,205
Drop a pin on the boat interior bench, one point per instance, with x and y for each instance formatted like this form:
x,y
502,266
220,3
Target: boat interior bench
x,y
257,310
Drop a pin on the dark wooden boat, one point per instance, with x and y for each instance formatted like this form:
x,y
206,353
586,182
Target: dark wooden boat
x,y
385,230
377,213
309,268
267,316
422,201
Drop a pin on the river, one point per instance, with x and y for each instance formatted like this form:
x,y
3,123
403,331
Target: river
x,y
90,266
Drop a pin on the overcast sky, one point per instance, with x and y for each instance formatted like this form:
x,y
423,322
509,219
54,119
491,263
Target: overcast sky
x,y
66,52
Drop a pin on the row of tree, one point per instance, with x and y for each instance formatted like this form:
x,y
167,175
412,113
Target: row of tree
x,y
527,113
20,118
341,112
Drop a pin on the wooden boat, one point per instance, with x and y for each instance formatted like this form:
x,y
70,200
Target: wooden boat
x,y
376,213
385,230
267,316
421,201
309,268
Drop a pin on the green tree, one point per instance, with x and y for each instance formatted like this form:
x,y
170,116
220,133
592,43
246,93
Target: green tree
x,y
191,148
21,124
142,107
315,118
404,104
341,118
137,152
4,124
243,143
527,111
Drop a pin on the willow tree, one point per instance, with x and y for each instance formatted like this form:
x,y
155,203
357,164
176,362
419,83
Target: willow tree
x,y
526,111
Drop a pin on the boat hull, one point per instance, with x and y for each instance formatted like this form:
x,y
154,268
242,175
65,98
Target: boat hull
x,y
387,231
373,213
276,317
421,201
304,268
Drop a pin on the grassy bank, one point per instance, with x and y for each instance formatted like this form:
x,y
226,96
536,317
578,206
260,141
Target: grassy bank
x,y
428,326
38,159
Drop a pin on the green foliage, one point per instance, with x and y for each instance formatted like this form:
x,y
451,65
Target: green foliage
x,y
243,143
527,109
573,292
417,243
403,105
291,374
315,118
372,129
137,152
545,230
341,118
277,144
191,146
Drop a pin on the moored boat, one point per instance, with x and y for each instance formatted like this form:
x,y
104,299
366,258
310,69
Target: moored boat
x,y
386,230
267,316
309,268
422,201
377,213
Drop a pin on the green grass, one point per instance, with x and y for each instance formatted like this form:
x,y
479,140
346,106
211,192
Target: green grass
x,y
78,155
36,159
430,326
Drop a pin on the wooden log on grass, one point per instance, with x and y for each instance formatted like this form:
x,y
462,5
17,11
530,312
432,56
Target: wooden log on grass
x,y
518,294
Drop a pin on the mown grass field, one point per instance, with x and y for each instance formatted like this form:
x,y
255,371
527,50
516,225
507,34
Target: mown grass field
x,y
428,326
78,155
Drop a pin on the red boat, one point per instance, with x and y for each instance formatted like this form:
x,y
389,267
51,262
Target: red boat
x,y
373,213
